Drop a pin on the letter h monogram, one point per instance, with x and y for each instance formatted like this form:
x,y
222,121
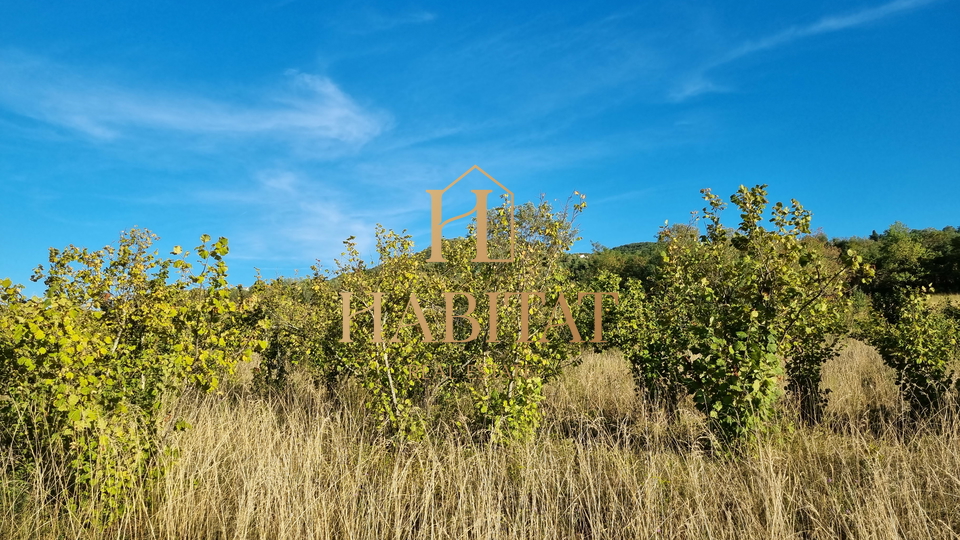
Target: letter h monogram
x,y
480,209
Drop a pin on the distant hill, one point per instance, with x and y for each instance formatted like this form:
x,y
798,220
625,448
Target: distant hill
x,y
637,247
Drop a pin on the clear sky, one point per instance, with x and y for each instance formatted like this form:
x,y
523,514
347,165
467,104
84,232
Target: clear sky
x,y
288,126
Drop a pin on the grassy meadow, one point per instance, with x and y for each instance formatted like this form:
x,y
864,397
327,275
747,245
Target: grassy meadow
x,y
307,465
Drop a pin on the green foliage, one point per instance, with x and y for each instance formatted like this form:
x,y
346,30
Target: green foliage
x,y
434,360
301,319
631,261
86,366
821,305
651,331
906,259
400,367
919,346
729,316
729,304
507,379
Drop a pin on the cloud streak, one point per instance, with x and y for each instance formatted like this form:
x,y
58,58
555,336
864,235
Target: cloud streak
x,y
698,83
288,217
370,21
305,108
833,23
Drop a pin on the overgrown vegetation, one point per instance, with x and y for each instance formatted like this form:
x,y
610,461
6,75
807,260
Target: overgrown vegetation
x,y
305,463
415,333
919,344
85,367
728,305
726,329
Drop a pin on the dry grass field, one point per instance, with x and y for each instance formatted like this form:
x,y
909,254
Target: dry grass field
x,y
306,466
940,300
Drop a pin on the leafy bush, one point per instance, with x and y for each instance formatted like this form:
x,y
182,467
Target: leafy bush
x,y
494,361
86,366
729,304
302,327
919,345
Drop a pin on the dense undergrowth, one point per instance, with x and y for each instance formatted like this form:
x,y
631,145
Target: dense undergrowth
x,y
748,386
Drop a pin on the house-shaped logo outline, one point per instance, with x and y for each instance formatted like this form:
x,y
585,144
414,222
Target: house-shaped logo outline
x,y
510,198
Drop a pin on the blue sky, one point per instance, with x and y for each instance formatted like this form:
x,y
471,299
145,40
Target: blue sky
x,y
288,126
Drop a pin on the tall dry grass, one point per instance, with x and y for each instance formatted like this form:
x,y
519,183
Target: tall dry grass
x,y
941,300
604,465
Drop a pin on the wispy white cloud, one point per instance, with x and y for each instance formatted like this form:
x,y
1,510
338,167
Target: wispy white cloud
x,y
698,83
383,22
305,107
370,20
289,217
832,23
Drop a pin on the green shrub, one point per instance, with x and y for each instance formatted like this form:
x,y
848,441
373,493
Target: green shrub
x,y
919,344
412,365
729,305
86,366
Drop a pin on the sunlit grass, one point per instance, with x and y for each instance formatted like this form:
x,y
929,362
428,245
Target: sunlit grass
x,y
940,300
604,465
